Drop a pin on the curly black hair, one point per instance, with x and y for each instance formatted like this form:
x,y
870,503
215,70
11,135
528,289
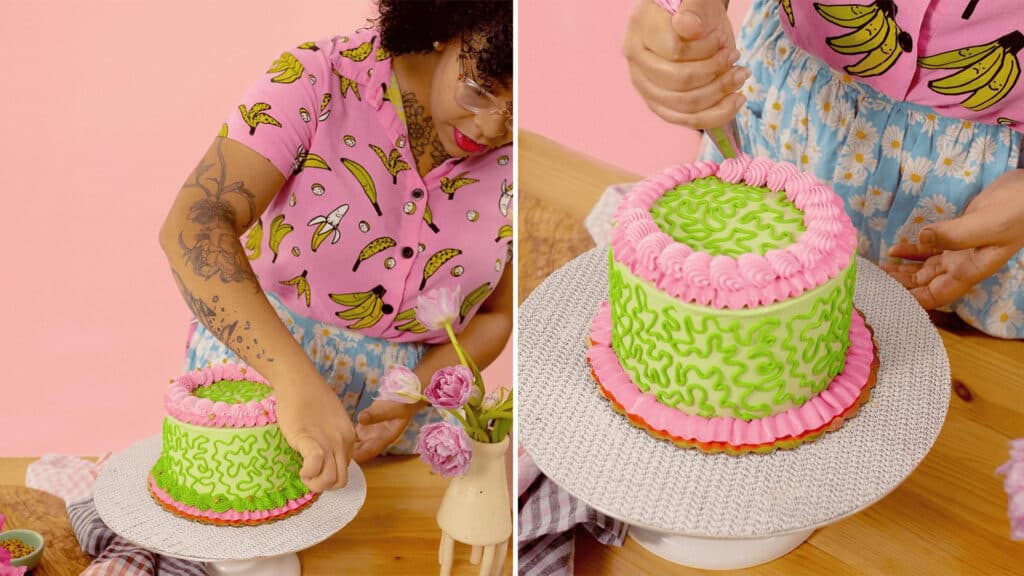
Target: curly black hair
x,y
408,26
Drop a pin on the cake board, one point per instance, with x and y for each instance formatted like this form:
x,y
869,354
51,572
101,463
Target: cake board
x,y
124,503
721,511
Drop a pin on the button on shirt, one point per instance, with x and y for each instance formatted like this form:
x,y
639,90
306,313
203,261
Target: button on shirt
x,y
355,234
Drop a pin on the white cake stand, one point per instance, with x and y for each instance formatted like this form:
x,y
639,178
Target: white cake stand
x,y
125,505
720,511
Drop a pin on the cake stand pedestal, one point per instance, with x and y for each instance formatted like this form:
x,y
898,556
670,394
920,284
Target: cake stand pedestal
x,y
125,505
720,511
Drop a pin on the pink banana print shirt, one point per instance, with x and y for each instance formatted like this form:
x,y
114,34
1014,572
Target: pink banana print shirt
x,y
960,58
355,234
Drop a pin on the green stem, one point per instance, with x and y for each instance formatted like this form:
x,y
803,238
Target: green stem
x,y
455,344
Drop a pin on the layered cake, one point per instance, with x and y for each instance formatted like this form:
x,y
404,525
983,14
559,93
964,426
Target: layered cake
x,y
730,324
224,460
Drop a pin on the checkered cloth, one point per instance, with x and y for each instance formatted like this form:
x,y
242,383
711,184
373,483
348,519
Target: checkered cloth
x,y
72,479
548,516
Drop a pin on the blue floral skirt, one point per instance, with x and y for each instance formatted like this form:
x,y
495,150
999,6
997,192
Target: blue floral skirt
x,y
351,363
898,166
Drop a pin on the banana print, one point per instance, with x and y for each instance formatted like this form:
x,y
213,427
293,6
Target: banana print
x,y
373,248
506,198
257,115
409,322
472,299
366,308
1007,122
986,73
428,217
253,239
324,112
305,159
278,230
289,67
435,262
359,53
309,46
787,7
504,232
301,286
223,130
393,162
382,54
327,226
876,35
450,185
348,84
365,180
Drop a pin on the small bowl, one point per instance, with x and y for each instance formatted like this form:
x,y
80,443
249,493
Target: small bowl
x,y
31,538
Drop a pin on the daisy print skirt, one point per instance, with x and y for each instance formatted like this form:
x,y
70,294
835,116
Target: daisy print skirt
x,y
898,166
351,363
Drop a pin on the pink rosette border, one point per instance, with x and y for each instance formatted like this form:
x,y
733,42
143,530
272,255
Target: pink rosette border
x,y
841,395
232,516
183,405
821,252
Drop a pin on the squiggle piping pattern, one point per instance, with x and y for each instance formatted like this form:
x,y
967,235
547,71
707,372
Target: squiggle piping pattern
x,y
748,365
244,470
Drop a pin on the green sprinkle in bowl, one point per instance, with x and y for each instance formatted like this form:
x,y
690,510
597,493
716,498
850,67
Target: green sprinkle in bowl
x,y
29,537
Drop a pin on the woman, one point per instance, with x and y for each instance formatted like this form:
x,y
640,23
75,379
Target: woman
x,y
367,169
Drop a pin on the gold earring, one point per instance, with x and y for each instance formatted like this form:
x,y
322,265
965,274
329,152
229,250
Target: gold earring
x,y
437,45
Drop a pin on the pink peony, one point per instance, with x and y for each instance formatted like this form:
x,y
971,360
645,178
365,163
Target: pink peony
x,y
450,387
446,448
439,307
400,384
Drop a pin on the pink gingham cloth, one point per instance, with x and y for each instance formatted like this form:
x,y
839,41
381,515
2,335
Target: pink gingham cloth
x,y
1014,486
72,479
548,516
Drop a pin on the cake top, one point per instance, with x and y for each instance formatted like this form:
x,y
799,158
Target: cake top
x,y
718,217
742,234
222,396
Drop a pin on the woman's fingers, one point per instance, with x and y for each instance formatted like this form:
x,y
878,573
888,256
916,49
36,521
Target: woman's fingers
x,y
341,456
718,115
312,459
682,76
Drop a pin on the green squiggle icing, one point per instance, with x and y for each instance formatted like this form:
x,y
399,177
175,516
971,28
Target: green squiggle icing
x,y
748,363
234,391
719,217
222,469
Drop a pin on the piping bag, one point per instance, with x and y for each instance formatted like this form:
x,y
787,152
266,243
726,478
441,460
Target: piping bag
x,y
725,138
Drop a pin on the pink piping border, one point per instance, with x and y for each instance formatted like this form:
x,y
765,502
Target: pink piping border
x,y
233,515
185,407
841,395
821,252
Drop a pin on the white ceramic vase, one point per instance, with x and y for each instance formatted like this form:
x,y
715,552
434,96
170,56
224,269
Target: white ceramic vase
x,y
476,510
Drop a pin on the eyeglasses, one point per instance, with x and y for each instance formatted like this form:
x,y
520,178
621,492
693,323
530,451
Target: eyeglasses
x,y
476,99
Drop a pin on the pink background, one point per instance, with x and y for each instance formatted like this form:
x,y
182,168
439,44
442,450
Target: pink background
x,y
106,109
574,85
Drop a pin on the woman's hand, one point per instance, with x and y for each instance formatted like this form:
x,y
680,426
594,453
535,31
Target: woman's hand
x,y
316,424
682,64
379,425
959,253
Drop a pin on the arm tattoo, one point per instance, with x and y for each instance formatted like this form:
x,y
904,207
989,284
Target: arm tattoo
x,y
216,249
422,134
223,328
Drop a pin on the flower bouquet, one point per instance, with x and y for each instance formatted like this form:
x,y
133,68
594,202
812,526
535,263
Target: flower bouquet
x,y
476,508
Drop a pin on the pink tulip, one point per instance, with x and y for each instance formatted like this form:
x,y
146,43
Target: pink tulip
x,y
439,307
400,384
446,448
450,387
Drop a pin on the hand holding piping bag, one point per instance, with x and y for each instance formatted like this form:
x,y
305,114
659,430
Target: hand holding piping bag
x,y
682,62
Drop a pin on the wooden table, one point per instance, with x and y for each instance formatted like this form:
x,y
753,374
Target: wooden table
x,y
395,532
948,517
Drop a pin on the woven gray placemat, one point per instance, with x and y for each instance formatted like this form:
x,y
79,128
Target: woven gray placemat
x,y
124,504
577,439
